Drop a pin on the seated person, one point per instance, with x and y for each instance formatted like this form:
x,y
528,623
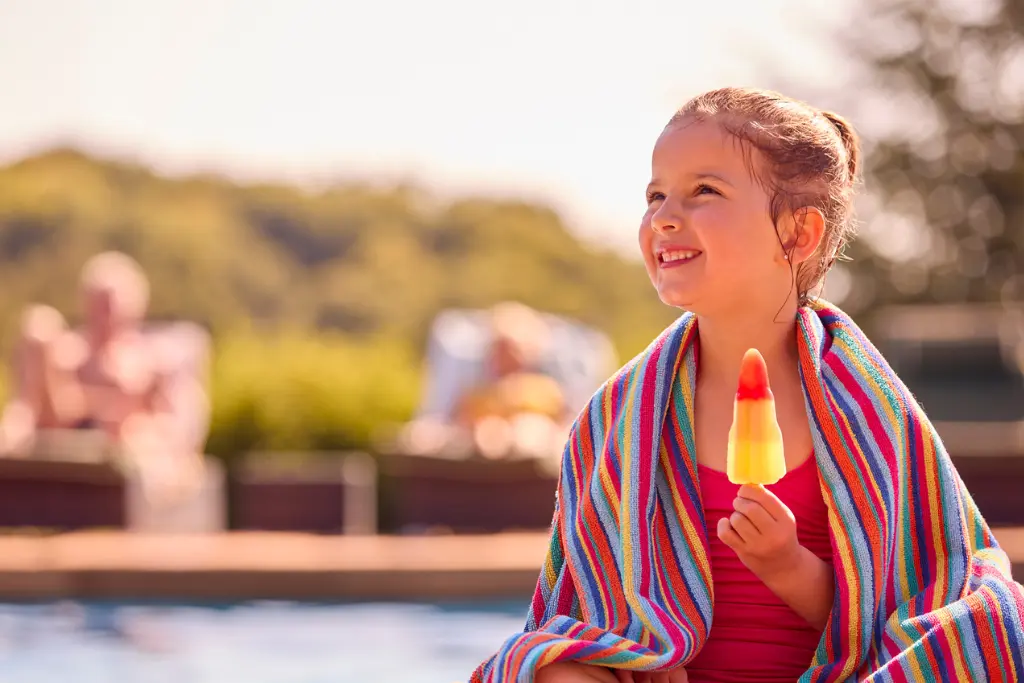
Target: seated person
x,y
111,378
516,408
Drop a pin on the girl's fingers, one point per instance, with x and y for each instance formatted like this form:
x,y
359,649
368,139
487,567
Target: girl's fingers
x,y
728,535
758,516
744,527
767,500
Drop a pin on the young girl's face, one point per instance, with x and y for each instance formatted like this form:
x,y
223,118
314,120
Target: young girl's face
x,y
707,238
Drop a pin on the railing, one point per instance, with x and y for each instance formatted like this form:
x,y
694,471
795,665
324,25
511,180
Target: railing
x,y
348,492
327,493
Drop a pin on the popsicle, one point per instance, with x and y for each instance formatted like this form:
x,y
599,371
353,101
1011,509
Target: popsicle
x,y
755,454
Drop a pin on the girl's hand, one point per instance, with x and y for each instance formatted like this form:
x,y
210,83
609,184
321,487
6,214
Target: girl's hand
x,y
762,531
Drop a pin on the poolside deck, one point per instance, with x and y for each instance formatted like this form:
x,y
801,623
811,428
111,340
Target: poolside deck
x,y
251,565
254,565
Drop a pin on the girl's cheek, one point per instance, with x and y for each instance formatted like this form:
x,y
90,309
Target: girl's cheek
x,y
645,234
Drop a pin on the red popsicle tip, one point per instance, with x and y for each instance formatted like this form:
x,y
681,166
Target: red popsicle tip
x,y
753,377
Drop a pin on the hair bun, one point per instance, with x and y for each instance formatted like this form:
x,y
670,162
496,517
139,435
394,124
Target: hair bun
x,y
850,141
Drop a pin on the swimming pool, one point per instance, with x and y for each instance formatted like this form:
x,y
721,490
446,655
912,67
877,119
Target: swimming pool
x,y
259,642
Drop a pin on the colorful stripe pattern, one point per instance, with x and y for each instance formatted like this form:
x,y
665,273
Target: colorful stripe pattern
x,y
923,592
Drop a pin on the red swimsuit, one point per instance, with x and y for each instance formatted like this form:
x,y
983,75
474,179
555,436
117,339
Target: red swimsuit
x,y
754,635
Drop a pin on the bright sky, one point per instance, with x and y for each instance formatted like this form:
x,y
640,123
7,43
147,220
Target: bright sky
x,y
558,100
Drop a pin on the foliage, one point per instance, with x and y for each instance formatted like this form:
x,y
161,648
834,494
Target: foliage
x,y
319,302
947,164
296,392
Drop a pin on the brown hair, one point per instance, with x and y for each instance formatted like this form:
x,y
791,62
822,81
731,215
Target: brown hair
x,y
812,159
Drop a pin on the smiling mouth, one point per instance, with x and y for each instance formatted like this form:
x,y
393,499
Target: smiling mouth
x,y
672,257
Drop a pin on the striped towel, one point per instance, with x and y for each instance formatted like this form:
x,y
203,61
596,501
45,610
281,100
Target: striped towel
x,y
923,591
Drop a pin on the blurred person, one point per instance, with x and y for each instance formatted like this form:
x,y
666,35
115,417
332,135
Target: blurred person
x,y
110,377
119,375
515,408
512,409
868,560
44,396
130,389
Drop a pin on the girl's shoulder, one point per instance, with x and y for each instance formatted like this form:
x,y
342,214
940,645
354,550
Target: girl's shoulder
x,y
657,362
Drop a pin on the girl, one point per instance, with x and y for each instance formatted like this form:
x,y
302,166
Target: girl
x,y
867,561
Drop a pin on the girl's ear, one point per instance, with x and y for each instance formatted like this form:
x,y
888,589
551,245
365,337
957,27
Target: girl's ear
x,y
804,235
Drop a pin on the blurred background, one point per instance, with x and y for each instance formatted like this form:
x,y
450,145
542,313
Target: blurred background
x,y
300,299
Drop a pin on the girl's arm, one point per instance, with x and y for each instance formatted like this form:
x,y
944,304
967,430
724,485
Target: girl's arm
x,y
808,587
762,531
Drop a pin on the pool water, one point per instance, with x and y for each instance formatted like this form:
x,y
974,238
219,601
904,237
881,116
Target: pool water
x,y
260,642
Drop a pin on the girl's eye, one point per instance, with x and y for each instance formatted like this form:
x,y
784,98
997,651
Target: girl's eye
x,y
654,197
704,188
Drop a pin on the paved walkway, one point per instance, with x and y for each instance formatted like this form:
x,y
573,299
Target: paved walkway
x,y
245,565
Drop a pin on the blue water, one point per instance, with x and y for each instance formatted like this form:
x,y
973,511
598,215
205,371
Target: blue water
x,y
262,642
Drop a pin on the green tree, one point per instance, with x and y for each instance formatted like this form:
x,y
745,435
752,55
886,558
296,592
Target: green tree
x,y
943,107
936,89
319,302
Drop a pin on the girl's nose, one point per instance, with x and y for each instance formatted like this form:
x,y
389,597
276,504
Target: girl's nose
x,y
665,220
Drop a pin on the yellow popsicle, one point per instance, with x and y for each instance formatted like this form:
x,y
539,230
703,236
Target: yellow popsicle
x,y
755,454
